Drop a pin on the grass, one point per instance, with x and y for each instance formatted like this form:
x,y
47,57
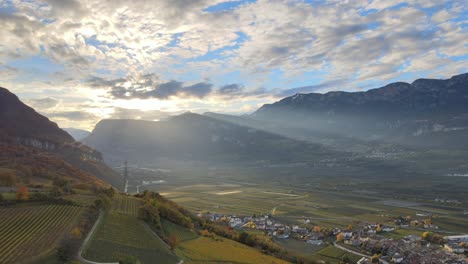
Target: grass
x,y
182,234
29,232
195,249
120,235
221,250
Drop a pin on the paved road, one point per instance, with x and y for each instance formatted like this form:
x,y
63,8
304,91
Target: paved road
x,y
355,253
349,250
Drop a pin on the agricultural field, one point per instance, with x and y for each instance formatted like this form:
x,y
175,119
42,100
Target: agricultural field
x,y
29,232
182,234
221,250
193,248
126,205
334,255
327,207
121,233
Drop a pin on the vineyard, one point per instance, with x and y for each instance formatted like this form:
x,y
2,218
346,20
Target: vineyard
x,y
125,205
31,231
124,235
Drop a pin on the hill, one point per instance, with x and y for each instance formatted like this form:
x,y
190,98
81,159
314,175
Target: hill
x,y
39,150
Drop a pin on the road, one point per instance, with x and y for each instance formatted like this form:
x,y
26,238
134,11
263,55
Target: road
x,y
355,253
350,251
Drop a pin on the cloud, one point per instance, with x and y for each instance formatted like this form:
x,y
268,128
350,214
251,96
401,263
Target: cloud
x,y
151,115
149,86
8,72
43,103
72,115
330,85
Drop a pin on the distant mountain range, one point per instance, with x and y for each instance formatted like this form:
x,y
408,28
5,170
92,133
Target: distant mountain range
x,y
30,143
77,134
427,112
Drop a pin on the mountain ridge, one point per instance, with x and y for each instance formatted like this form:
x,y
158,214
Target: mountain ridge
x,y
23,130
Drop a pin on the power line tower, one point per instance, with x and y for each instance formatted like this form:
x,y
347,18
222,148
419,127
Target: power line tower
x,y
125,179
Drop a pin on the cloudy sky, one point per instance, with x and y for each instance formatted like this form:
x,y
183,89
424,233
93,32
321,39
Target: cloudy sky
x,y
78,61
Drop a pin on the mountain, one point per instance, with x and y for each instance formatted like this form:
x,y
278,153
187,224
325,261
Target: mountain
x,y
194,137
34,146
77,134
427,112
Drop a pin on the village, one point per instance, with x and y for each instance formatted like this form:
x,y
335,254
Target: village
x,y
373,242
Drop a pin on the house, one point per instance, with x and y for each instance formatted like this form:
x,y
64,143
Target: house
x,y
397,258
347,235
388,229
315,242
454,248
364,260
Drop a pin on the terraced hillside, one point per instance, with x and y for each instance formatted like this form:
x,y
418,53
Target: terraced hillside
x,y
121,234
31,231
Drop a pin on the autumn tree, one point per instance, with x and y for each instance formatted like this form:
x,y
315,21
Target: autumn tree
x,y
22,193
317,229
339,237
173,241
76,232
350,227
379,228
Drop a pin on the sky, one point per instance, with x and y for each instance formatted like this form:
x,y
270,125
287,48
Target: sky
x,y
80,61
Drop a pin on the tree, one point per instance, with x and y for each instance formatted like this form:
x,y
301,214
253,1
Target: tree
x,y
379,228
317,229
345,260
1,199
128,260
65,250
7,178
173,241
375,259
76,232
339,237
22,193
350,227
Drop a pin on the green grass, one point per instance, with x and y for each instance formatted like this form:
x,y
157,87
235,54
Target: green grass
x,y
182,234
121,234
221,250
29,232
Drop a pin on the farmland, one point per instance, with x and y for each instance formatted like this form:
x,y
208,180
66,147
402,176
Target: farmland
x,y
334,255
125,205
220,250
122,234
30,231
323,201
